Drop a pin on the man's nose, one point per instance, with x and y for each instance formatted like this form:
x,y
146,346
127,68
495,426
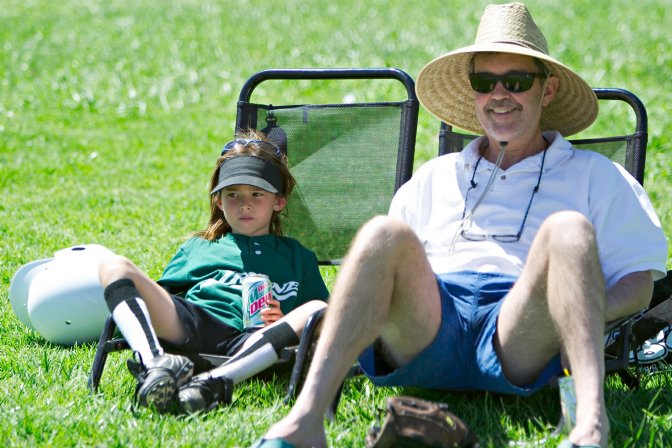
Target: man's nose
x,y
500,91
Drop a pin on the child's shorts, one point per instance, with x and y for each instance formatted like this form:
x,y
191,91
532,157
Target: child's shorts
x,y
462,355
204,332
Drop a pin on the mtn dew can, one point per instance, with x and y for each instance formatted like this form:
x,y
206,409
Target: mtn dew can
x,y
567,401
257,292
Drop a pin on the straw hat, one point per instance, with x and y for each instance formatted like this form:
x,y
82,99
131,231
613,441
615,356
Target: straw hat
x,y
443,85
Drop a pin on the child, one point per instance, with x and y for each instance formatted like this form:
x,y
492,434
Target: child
x,y
196,305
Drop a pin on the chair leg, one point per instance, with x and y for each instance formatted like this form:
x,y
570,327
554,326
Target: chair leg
x,y
331,412
355,370
300,364
621,364
632,381
101,355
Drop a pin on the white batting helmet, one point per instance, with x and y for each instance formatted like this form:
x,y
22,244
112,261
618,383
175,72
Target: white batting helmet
x,y
61,297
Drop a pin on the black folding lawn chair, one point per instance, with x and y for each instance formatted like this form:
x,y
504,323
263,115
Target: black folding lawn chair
x,y
348,157
629,150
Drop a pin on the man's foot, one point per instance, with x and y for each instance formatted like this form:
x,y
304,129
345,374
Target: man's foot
x,y
204,393
159,379
297,432
590,434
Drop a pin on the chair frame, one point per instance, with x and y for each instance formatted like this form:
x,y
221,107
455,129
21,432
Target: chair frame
x,y
406,145
107,343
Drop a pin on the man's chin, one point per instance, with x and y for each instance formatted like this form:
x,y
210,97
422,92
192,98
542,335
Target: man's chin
x,y
501,136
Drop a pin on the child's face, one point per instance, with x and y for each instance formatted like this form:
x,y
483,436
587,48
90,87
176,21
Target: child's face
x,y
248,209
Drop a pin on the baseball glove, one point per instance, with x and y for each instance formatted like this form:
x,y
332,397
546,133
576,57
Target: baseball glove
x,y
412,422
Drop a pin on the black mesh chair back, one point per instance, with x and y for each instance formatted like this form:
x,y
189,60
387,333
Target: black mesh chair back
x,y
348,158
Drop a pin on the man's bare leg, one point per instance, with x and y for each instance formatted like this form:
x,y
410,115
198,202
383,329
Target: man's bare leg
x,y
558,304
385,288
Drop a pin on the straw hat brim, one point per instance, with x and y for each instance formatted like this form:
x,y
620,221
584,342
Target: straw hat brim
x,y
443,89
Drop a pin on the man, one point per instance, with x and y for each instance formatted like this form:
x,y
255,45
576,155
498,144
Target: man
x,y
495,260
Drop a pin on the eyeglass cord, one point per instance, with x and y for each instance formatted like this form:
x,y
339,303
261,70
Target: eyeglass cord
x,y
491,180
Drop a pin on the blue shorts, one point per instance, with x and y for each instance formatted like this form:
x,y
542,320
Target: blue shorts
x,y
462,355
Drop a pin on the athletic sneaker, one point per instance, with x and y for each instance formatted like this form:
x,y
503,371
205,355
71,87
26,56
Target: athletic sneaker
x,y
204,393
159,379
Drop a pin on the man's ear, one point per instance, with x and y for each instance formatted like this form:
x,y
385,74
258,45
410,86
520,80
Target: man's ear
x,y
280,202
552,86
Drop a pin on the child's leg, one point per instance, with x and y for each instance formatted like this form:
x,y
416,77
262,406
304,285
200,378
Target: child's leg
x,y
263,348
258,353
138,306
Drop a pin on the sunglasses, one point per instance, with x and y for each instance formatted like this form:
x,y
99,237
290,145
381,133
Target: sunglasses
x,y
262,144
514,82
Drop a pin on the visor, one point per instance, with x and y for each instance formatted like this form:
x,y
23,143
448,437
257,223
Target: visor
x,y
250,170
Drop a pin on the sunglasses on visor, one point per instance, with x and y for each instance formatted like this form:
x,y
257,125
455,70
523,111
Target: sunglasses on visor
x,y
262,144
514,82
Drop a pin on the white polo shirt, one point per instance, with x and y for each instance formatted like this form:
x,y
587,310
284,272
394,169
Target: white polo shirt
x,y
629,234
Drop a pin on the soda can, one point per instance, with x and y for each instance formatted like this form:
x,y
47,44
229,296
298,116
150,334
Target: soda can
x,y
257,291
567,401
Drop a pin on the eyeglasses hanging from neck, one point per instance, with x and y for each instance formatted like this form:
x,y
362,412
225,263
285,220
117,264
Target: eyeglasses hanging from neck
x,y
467,214
503,238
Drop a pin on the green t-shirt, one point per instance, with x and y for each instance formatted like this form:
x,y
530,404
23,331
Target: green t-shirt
x,y
209,273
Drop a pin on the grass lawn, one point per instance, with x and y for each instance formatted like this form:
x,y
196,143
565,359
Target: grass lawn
x,y
112,114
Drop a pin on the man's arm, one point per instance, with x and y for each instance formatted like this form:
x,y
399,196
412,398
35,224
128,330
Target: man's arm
x,y
629,295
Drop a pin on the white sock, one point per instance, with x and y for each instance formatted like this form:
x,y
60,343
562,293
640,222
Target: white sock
x,y
263,350
130,314
138,332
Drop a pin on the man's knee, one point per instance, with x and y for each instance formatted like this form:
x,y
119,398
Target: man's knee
x,y
568,229
385,233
